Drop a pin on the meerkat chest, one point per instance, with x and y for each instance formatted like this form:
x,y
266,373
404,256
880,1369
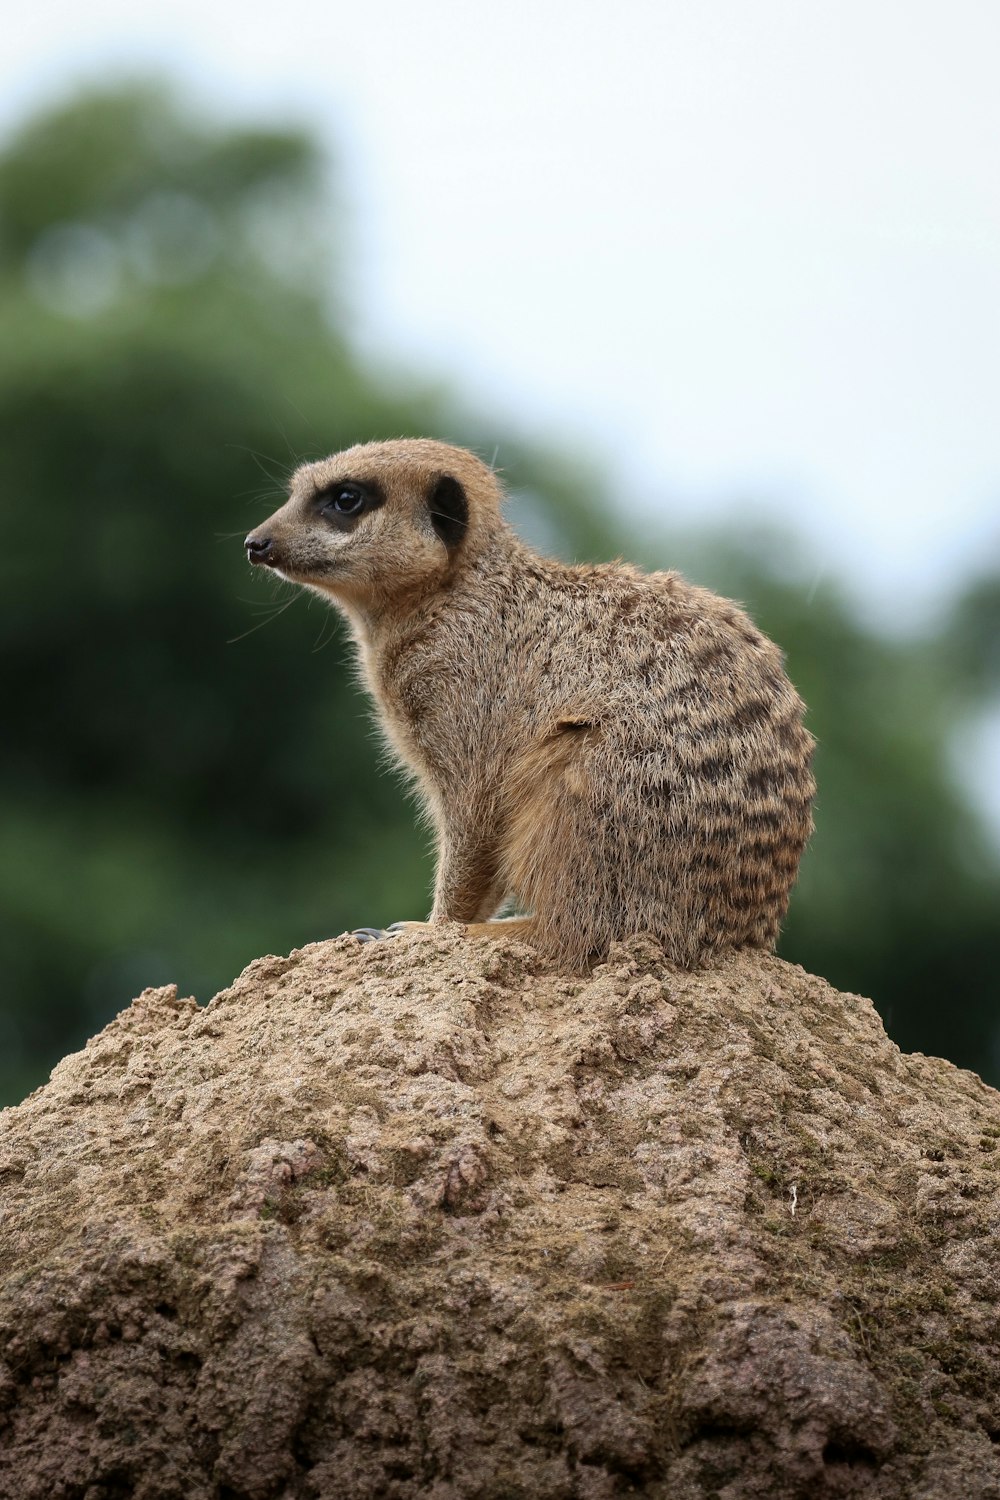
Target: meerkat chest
x,y
445,691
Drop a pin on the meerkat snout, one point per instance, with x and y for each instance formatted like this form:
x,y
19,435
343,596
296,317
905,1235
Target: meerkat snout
x,y
611,751
258,548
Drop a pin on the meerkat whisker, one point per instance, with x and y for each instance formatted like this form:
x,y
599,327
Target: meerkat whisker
x,y
271,614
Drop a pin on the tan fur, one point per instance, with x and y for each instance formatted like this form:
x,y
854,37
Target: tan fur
x,y
613,751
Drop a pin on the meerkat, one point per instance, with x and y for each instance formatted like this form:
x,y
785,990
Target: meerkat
x,y
612,751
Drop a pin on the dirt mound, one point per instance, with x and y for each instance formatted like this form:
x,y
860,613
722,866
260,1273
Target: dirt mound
x,y
426,1219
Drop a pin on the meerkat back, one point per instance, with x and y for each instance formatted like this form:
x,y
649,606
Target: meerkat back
x,y
614,752
676,798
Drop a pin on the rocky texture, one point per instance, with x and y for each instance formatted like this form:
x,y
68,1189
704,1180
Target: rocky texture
x,y
425,1219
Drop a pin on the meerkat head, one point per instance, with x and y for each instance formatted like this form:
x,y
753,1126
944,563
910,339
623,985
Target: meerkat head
x,y
379,520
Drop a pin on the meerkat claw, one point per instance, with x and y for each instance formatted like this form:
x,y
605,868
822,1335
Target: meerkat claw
x,y
378,934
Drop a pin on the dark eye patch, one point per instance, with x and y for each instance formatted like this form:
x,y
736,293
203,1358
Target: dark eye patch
x,y
346,501
449,510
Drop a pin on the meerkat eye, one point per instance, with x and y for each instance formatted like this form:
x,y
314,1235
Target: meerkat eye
x,y
345,500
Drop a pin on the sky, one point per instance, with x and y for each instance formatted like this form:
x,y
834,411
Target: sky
x,y
747,256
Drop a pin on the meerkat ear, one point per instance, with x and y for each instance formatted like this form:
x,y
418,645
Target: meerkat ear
x,y
449,510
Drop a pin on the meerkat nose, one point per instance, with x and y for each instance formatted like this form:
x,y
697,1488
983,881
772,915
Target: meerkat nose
x,y
259,549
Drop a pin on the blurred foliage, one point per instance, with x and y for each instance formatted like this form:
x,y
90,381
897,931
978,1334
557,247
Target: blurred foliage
x,y
189,777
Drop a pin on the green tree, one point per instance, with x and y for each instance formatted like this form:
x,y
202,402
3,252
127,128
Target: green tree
x,y
189,779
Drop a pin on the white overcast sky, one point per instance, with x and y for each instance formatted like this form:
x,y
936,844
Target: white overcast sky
x,y
746,251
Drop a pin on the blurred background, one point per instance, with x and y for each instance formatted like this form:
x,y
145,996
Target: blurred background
x,y
716,286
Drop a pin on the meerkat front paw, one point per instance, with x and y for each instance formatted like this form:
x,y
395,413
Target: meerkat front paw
x,y
376,934
369,934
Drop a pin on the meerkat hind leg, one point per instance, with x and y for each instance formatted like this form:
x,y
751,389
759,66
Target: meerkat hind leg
x,y
524,928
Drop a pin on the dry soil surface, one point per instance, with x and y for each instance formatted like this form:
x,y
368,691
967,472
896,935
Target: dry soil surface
x,y
427,1219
